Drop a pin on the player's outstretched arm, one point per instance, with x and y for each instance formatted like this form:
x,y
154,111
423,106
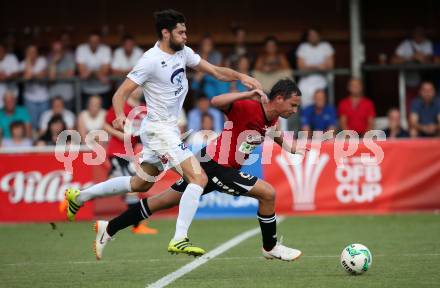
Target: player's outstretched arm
x,y
293,147
127,87
227,74
224,101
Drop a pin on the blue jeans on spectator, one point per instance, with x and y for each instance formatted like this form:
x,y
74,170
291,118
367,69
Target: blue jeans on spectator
x,y
35,110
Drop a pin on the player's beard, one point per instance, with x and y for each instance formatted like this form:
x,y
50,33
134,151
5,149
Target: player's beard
x,y
175,46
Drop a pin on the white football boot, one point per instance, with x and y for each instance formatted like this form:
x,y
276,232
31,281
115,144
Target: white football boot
x,y
282,252
102,238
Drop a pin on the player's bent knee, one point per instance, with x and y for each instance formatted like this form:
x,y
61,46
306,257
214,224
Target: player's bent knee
x,y
199,179
268,194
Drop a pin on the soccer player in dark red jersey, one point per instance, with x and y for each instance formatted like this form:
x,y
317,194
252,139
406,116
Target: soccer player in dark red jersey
x,y
248,122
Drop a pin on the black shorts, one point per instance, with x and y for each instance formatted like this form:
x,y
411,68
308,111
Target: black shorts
x,y
121,167
223,179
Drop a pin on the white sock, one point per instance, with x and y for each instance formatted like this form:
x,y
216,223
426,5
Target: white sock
x,y
113,186
187,209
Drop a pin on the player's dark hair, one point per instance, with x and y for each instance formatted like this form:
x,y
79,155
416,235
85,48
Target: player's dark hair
x,y
167,19
285,88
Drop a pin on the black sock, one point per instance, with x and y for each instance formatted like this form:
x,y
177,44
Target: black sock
x,y
268,225
132,215
133,206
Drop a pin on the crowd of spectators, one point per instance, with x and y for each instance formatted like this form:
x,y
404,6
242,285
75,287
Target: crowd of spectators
x,y
34,110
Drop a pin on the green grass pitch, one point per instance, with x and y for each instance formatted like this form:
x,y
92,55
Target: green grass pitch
x,y
405,248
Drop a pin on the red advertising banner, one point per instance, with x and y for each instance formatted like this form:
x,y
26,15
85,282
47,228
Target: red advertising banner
x,y
32,186
408,179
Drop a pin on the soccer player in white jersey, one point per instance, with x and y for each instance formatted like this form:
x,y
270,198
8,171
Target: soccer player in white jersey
x,y
161,72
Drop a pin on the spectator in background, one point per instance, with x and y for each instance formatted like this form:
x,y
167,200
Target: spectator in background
x,y
57,109
271,65
18,136
125,57
13,113
61,66
207,122
36,95
319,116
197,141
425,112
66,40
239,49
195,115
55,126
418,50
313,55
9,69
206,84
93,59
93,118
271,60
242,65
209,86
356,112
208,52
394,129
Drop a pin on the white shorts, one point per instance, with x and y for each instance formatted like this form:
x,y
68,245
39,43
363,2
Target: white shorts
x,y
162,146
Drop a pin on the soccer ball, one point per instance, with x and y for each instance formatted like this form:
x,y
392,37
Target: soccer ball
x,y
356,259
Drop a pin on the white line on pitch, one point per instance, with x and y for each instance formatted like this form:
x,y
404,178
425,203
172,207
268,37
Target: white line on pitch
x,y
166,280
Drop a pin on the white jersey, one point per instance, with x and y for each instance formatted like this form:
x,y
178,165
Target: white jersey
x,y
163,80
